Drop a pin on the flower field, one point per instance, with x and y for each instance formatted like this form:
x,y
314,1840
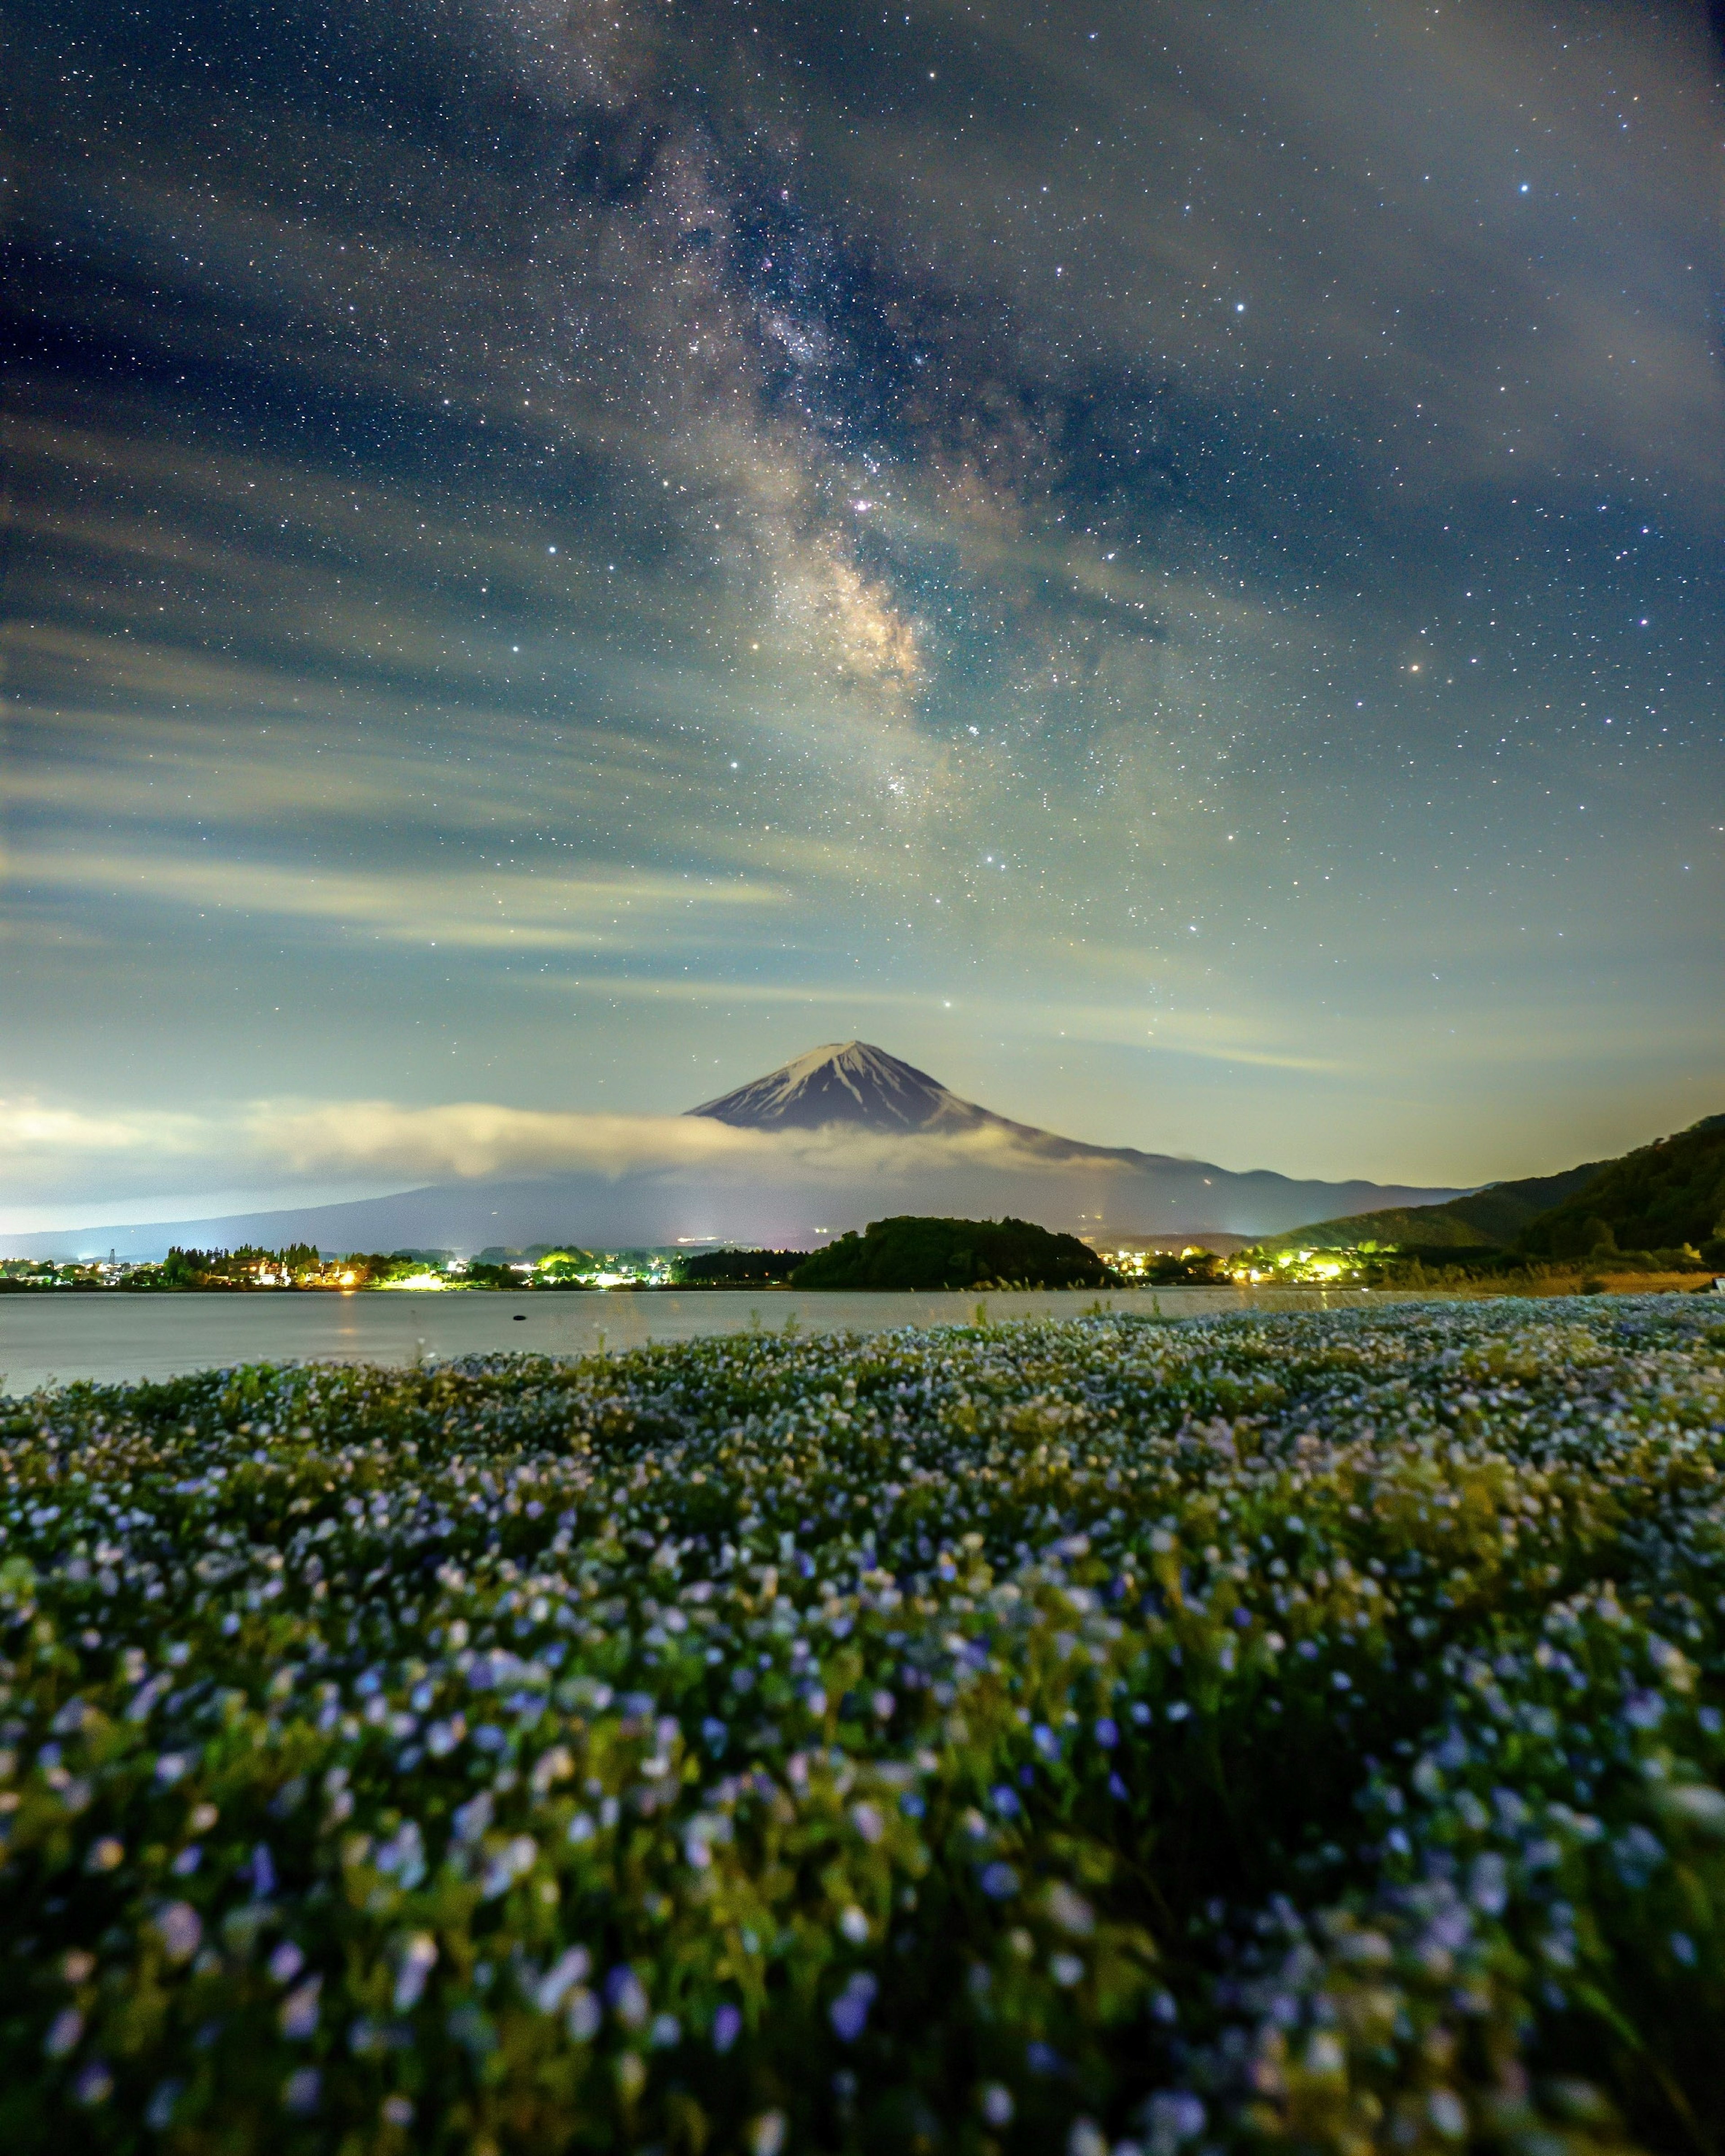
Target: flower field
x,y
1091,1737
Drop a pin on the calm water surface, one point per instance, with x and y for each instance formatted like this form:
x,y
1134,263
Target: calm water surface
x,y
53,1339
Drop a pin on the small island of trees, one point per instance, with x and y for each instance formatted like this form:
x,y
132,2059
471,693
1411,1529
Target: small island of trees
x,y
911,1251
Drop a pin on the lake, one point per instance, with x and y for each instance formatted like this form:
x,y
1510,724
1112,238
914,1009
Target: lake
x,y
53,1337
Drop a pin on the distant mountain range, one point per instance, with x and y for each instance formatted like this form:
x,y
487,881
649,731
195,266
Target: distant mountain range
x,y
839,1137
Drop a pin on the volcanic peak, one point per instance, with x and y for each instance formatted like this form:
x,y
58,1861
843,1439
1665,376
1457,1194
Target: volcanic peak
x,y
846,1082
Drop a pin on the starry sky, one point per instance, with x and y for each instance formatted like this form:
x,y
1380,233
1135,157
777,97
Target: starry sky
x,y
1162,561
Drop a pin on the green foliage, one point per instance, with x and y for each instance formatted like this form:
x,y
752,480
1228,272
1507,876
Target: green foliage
x,y
1303,1732
1184,1268
230,1269
911,1252
1665,1194
1490,1219
1507,1272
1664,1198
738,1268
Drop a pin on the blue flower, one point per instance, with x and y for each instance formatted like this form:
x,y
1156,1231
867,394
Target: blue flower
x,y
849,2012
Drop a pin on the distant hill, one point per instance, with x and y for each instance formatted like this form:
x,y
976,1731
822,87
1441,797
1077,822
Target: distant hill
x,y
1492,1218
1658,1197
914,1251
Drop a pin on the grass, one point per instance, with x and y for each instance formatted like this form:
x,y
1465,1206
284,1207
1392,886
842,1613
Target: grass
x,y
1092,1736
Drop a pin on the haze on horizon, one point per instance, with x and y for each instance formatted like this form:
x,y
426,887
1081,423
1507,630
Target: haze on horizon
x,y
1163,563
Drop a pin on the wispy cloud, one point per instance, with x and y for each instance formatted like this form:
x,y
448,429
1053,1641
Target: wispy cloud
x,y
599,911
278,1145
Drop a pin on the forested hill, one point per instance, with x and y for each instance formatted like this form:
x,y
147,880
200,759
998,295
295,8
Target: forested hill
x,y
1663,1195
911,1252
1658,1197
1492,1218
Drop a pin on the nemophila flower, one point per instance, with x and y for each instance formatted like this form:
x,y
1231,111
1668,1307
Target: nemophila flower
x,y
849,2013
65,2033
626,1998
1072,1563
179,1929
469,1822
568,1969
94,2082
300,2010
1173,2117
868,1820
415,1959
767,2133
164,2101
1070,1910
582,2015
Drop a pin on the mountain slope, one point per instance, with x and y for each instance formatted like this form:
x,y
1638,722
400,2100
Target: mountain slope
x,y
1492,1218
1658,1197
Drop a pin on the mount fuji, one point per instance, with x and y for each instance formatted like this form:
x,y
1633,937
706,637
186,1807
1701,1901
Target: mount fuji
x,y
849,1082
842,1135
852,1084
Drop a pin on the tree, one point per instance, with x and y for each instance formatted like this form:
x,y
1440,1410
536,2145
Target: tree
x,y
912,1252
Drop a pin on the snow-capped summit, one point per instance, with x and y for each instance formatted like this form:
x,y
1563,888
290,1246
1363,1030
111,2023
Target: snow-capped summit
x,y
846,1082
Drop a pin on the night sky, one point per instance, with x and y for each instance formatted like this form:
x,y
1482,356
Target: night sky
x,y
1161,560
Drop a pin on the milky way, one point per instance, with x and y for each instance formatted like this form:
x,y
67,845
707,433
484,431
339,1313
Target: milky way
x,y
1162,562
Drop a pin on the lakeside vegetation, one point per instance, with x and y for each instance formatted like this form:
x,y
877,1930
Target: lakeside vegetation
x,y
1446,1269
250,1269
905,1252
1107,1738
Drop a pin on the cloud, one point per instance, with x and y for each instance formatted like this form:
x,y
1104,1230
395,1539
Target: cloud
x,y
31,1131
475,1138
56,1159
292,1148
599,911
